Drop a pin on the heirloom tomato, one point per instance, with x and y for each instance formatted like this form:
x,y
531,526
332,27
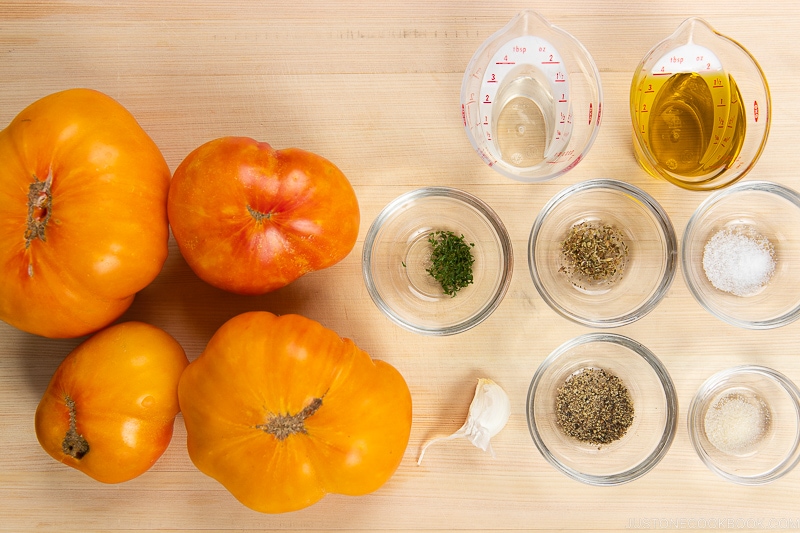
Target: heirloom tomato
x,y
281,411
249,219
110,407
83,219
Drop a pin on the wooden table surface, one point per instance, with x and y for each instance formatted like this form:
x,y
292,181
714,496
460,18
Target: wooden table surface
x,y
375,89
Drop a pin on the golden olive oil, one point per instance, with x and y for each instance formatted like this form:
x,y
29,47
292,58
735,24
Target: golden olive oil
x,y
693,124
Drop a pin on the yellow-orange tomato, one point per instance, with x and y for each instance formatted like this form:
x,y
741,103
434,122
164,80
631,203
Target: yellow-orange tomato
x,y
281,411
249,219
83,218
110,408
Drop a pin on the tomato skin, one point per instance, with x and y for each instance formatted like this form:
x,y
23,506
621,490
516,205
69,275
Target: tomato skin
x,y
102,214
257,366
123,382
250,219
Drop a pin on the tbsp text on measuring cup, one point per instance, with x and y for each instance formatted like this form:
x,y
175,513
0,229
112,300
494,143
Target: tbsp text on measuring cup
x,y
531,100
700,107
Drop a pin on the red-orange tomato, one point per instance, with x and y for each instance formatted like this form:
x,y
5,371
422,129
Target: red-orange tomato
x,y
83,218
282,411
249,219
110,408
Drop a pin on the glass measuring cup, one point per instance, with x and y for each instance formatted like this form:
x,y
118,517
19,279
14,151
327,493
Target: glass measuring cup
x,y
531,100
700,107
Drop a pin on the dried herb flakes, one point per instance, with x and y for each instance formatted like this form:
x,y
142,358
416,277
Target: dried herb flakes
x,y
593,253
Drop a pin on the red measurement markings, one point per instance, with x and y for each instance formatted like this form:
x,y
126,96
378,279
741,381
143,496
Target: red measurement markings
x,y
662,73
505,63
551,61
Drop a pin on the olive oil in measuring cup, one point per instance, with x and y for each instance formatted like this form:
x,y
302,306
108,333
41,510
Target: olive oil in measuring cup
x,y
700,108
531,100
692,122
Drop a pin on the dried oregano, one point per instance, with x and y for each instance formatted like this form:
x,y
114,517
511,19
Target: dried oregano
x,y
593,253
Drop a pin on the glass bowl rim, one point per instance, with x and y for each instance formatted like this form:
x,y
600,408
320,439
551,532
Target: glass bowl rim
x,y
664,223
720,377
671,418
498,229
769,187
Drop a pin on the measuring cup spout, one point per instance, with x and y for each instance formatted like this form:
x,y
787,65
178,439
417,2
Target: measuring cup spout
x,y
693,29
530,22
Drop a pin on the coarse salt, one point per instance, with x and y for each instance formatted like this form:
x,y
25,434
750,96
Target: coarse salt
x,y
739,260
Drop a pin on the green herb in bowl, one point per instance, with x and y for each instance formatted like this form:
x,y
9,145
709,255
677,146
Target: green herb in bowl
x,y
451,261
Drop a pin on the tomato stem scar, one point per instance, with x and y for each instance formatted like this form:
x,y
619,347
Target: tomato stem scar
x,y
281,426
258,215
40,203
73,444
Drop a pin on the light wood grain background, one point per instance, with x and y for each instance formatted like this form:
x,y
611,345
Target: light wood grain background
x,y
374,87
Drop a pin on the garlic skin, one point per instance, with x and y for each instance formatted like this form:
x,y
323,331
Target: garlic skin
x,y
488,414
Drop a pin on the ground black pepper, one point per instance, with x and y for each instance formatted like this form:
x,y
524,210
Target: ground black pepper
x,y
594,406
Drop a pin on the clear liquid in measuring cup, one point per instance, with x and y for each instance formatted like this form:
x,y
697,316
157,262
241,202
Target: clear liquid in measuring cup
x,y
525,114
524,126
692,123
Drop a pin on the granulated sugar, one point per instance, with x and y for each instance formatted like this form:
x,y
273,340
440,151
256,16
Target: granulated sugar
x,y
739,260
736,423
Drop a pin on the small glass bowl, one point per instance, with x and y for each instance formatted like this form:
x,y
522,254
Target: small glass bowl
x,y
747,454
650,263
397,255
652,393
760,208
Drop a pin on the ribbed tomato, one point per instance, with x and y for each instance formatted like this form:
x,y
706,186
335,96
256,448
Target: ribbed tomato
x,y
249,219
281,411
83,219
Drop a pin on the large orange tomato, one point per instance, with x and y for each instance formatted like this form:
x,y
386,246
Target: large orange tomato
x,y
109,409
281,411
83,219
250,219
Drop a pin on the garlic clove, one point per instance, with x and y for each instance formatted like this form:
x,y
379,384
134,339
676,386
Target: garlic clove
x,y
488,414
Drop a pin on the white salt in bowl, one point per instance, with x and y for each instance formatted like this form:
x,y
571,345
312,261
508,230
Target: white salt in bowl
x,y
744,424
741,255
